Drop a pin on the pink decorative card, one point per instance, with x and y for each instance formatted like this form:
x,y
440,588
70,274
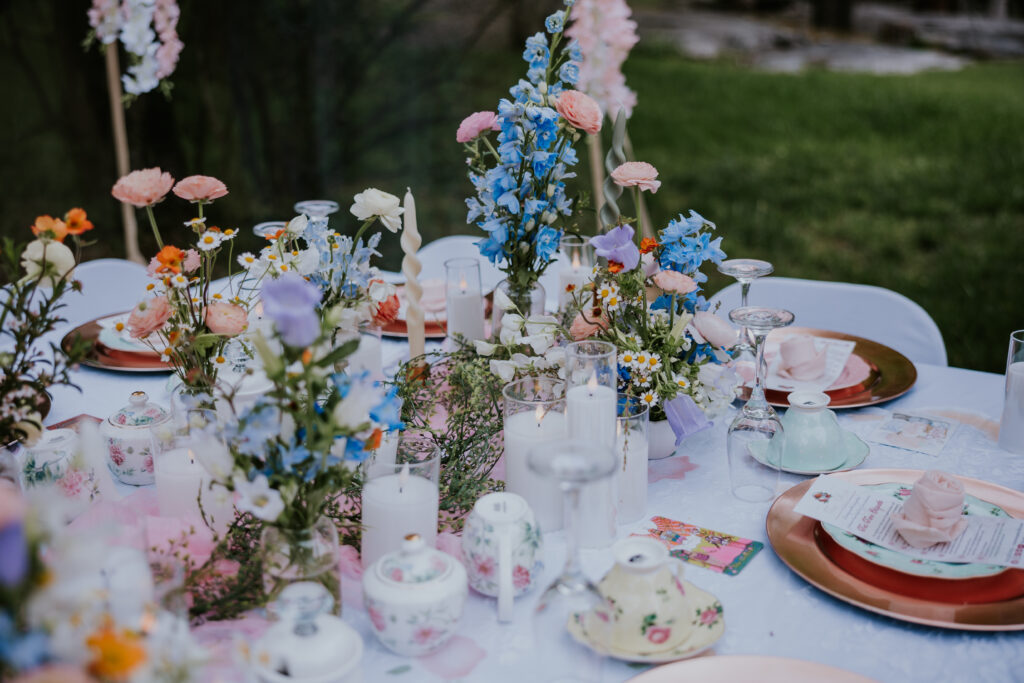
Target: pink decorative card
x,y
706,548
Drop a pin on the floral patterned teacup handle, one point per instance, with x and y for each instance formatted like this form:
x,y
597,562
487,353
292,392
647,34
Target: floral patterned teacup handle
x,y
506,591
677,567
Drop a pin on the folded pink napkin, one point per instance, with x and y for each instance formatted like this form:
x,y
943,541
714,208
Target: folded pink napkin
x,y
433,300
800,360
933,513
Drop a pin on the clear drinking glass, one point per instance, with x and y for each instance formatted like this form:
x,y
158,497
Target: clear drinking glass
x,y
463,296
400,495
575,465
268,228
576,262
1011,426
744,271
534,415
631,446
757,423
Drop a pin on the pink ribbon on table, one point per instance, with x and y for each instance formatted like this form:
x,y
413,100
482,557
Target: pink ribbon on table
x,y
933,513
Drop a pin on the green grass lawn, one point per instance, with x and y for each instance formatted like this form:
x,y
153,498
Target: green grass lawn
x,y
911,183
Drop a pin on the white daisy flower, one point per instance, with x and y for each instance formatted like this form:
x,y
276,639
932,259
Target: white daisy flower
x,y
247,260
229,234
220,361
195,223
612,302
627,359
641,359
165,357
641,379
607,291
179,281
649,398
682,382
654,363
210,240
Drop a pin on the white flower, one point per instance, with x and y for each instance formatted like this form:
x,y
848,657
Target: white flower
x,y
354,410
215,459
538,342
641,379
505,369
654,363
556,356
46,261
649,399
540,324
307,261
682,382
179,281
512,321
641,359
507,336
195,223
502,302
607,291
210,239
372,202
521,360
247,260
380,291
228,234
484,348
297,225
258,498
627,359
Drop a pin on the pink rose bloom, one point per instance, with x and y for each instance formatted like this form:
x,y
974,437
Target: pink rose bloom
x,y
708,617
200,188
149,316
658,634
227,319
933,513
12,505
580,110
674,283
637,174
143,188
476,123
714,330
584,328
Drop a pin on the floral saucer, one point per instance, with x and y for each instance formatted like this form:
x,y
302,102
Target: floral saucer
x,y
893,559
857,452
708,626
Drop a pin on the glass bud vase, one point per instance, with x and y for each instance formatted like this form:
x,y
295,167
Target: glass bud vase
x,y
529,302
307,554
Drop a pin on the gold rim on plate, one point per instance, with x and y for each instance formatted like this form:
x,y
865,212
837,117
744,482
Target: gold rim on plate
x,y
792,537
729,668
892,373
110,359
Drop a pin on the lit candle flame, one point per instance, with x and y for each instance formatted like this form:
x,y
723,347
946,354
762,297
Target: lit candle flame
x,y
462,283
592,382
575,260
191,457
539,414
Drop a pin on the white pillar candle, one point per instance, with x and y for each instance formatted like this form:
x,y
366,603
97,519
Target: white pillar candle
x,y
465,312
181,481
575,276
395,505
368,357
632,448
591,413
523,431
1011,426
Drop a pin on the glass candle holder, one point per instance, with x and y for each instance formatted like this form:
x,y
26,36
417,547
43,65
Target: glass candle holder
x,y
534,415
591,407
1011,426
463,297
576,263
400,497
631,445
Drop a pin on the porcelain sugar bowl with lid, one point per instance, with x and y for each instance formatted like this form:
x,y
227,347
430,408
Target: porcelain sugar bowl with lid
x,y
415,597
130,437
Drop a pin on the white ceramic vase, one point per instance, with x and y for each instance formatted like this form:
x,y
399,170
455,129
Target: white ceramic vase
x,y
661,440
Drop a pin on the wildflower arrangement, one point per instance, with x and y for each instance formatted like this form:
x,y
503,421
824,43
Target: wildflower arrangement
x,y
287,453
184,318
526,345
521,201
61,619
646,299
148,31
38,276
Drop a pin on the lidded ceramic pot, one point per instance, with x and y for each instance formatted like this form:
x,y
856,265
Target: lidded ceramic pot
x,y
129,437
308,645
415,597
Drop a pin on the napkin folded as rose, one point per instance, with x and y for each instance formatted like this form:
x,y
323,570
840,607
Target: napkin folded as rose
x,y
933,513
800,360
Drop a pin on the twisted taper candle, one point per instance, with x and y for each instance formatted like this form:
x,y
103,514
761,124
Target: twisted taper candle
x,y
411,267
616,157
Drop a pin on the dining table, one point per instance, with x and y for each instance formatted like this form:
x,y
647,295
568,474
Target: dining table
x,y
768,609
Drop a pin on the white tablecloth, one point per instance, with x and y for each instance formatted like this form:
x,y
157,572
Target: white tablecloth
x,y
768,609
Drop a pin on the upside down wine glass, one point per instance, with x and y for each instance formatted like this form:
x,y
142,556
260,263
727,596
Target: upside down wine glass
x,y
757,426
574,464
745,271
317,210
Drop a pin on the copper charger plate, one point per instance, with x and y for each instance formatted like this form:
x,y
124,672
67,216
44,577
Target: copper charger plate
x,y
892,373
105,358
792,536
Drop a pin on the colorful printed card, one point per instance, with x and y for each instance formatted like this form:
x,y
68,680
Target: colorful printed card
x,y
703,547
920,433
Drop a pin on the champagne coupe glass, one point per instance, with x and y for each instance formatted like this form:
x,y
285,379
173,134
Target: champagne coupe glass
x,y
268,228
745,271
317,210
574,464
757,426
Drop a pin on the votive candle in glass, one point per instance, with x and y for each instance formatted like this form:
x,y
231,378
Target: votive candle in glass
x,y
463,298
576,263
631,447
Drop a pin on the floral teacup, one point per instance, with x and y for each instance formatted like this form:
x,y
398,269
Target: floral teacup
x,y
646,608
502,547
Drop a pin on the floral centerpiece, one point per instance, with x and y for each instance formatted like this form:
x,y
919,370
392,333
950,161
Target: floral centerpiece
x,y
646,299
521,201
185,318
289,455
38,277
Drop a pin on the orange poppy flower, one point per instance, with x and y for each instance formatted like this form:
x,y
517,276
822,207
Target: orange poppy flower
x,y
55,227
170,259
648,244
274,235
373,442
614,267
77,221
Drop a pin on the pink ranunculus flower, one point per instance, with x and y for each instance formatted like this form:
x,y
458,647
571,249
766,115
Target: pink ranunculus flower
x,y
12,505
581,110
714,330
149,316
200,188
475,124
637,174
227,319
143,188
674,283
586,327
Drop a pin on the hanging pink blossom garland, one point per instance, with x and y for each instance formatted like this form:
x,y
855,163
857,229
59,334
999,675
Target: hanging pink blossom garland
x,y
605,34
148,31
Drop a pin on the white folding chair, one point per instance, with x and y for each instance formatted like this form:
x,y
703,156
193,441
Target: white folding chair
x,y
434,254
874,313
109,285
